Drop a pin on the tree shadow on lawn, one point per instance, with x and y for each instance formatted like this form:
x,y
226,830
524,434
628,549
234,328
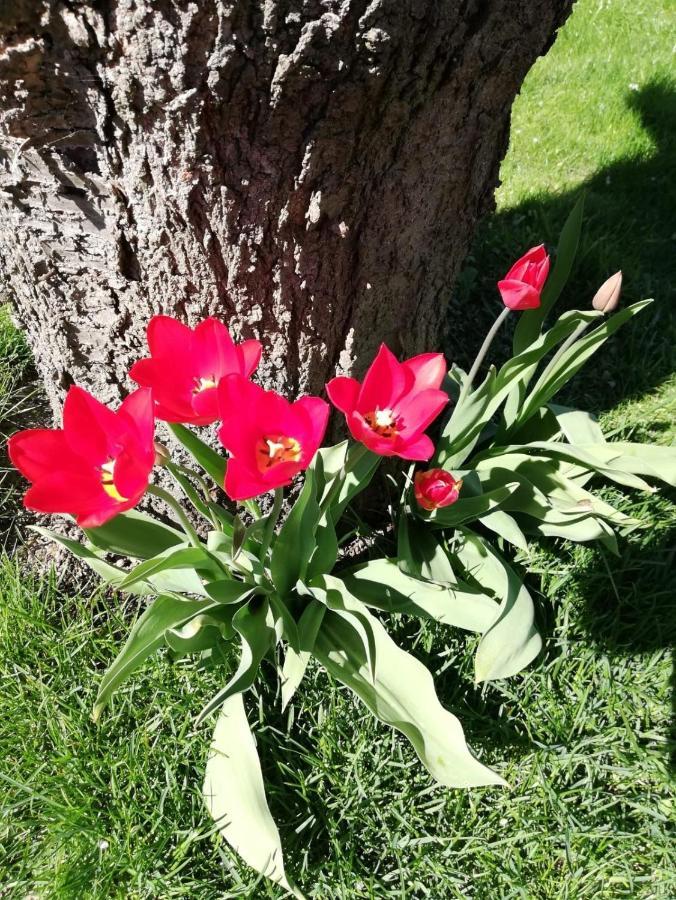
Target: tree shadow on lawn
x,y
629,603
629,225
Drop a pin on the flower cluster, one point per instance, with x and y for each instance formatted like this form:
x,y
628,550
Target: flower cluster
x,y
99,463
508,466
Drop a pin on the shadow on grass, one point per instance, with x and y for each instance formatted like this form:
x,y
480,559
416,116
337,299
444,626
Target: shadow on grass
x,y
628,225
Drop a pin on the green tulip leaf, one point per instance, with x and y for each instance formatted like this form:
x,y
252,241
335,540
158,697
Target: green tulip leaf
x,y
506,526
296,661
211,461
420,554
653,461
382,585
109,573
401,694
560,370
146,636
530,321
472,413
466,509
176,558
512,641
578,427
134,534
234,794
254,624
295,542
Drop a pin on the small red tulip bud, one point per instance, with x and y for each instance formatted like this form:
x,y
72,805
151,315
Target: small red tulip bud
x,y
522,285
607,298
435,488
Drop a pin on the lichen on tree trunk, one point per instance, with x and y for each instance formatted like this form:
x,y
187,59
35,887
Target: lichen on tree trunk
x,y
311,172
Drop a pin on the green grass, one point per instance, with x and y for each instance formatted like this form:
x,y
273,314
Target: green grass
x,y
583,737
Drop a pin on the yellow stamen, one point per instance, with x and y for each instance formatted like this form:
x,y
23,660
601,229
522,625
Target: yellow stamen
x,y
383,422
276,448
203,384
107,475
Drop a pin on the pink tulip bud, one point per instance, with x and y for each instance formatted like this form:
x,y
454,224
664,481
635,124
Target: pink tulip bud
x,y
435,488
522,285
607,298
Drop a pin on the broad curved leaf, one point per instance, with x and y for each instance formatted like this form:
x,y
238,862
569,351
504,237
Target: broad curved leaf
x,y
295,661
176,558
381,584
134,534
295,542
253,622
109,573
234,794
401,693
512,642
651,460
211,461
560,370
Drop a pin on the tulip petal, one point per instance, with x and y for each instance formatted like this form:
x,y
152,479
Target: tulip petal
x,y
418,410
172,384
386,380
343,393
429,370
361,431
168,337
215,353
242,483
517,295
242,410
143,372
316,412
91,429
205,406
103,514
136,411
421,448
130,474
533,257
249,353
67,492
37,451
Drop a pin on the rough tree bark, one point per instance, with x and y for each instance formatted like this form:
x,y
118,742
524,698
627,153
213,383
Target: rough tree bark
x,y
309,170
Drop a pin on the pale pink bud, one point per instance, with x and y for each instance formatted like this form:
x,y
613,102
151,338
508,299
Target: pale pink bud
x,y
607,297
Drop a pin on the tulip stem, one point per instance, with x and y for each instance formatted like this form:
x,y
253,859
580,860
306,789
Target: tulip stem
x,y
270,523
488,340
172,502
582,327
198,478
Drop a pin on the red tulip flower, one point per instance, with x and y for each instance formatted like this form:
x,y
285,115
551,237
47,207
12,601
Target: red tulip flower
x,y
185,367
435,488
96,466
270,439
394,404
522,285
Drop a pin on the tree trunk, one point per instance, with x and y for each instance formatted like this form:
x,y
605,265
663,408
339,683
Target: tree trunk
x,y
310,171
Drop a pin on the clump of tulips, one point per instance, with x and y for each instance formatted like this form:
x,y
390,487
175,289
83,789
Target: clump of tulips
x,y
509,465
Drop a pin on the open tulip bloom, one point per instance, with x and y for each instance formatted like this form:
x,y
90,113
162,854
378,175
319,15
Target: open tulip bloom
x,y
506,465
